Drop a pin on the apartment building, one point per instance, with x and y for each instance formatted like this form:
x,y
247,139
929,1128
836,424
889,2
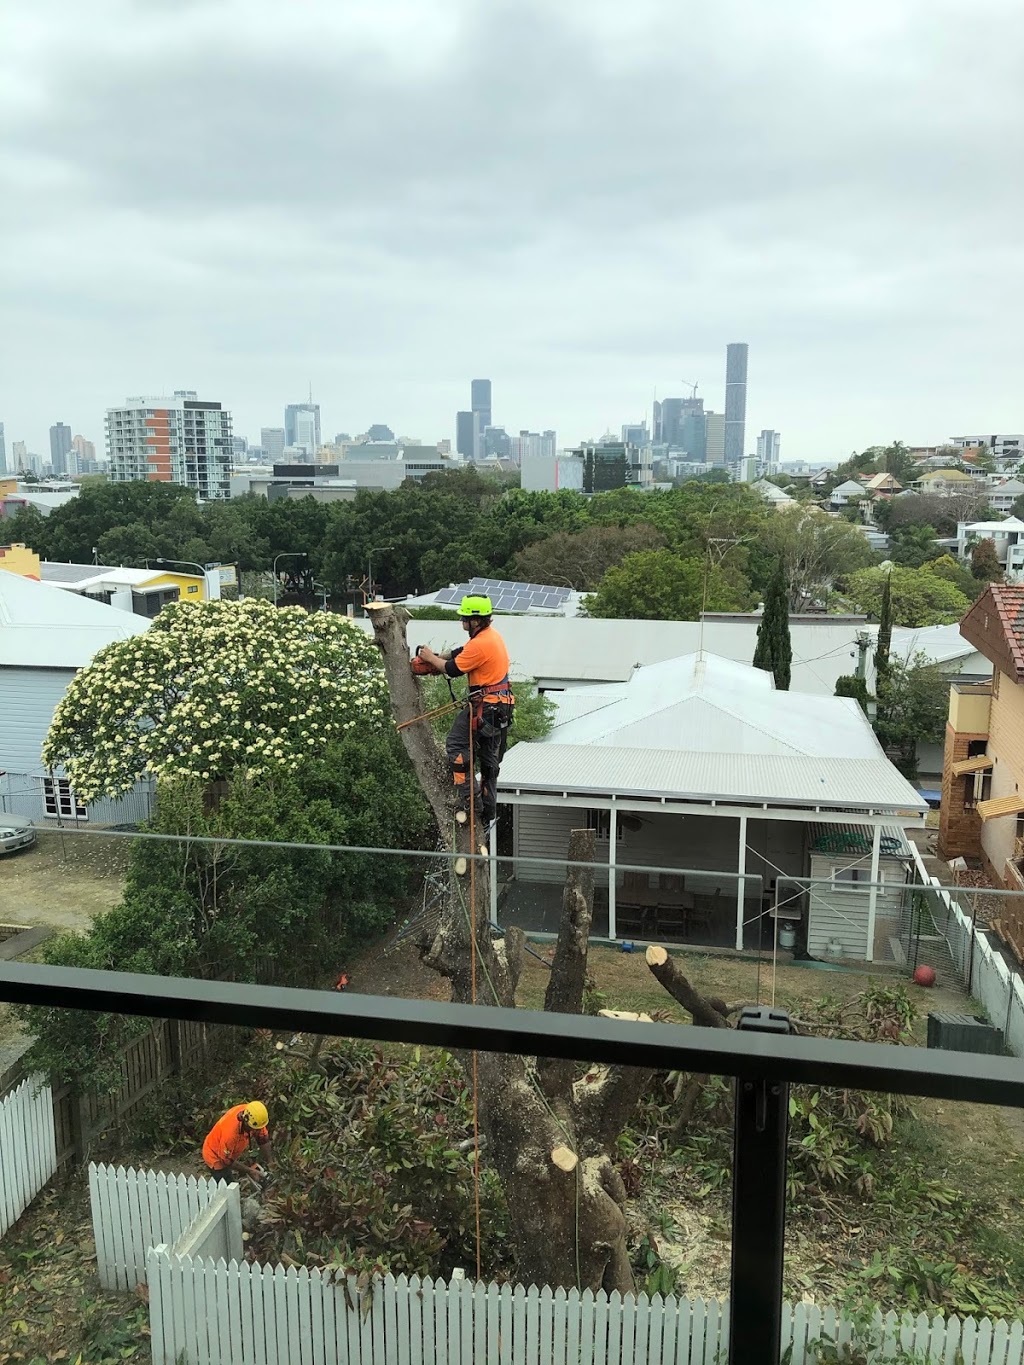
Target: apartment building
x,y
180,439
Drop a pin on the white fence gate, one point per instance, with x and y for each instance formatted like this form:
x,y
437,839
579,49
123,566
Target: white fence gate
x,y
212,1313
28,1147
135,1210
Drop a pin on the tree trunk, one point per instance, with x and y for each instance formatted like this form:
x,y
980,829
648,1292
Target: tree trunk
x,y
550,1129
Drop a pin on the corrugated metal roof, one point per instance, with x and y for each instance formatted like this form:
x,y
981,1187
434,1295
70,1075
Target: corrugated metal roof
x,y
855,839
589,651
46,627
857,783
702,702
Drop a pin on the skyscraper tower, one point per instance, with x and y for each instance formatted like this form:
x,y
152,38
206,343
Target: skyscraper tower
x,y
3,451
302,426
60,445
735,401
480,402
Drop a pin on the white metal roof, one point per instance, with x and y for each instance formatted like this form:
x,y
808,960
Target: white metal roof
x,y
712,705
849,486
42,626
1008,524
85,576
581,650
868,784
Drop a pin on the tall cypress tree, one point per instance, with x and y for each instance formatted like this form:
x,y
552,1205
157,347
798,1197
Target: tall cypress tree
x,y
774,652
884,642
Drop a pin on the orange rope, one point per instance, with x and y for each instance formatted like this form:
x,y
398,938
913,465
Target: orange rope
x,y
472,959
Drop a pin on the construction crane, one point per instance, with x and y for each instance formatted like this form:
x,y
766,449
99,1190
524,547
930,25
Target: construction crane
x,y
692,387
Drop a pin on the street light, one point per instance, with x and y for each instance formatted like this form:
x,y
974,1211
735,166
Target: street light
x,y
321,589
285,554
189,563
377,550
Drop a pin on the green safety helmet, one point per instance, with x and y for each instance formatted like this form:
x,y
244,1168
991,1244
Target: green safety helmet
x,y
475,606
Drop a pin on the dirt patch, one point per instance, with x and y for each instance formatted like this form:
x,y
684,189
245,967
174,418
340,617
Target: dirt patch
x,y
396,970
51,1305
63,880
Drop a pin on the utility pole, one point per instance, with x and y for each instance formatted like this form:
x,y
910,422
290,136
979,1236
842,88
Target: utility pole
x,y
863,642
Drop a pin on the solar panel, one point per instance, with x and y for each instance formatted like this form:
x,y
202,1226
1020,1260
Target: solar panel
x,y
522,603
448,595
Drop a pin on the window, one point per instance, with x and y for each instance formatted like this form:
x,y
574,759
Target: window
x,y
60,801
854,878
600,821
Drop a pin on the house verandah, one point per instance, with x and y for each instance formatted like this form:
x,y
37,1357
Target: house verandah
x,y
712,873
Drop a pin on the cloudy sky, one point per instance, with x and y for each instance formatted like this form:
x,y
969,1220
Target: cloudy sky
x,y
584,200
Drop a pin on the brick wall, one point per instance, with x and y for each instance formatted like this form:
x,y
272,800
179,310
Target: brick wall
x,y
959,829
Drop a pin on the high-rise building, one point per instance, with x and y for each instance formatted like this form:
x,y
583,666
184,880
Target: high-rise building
x,y
768,444
714,447
465,435
272,442
636,433
171,440
670,418
19,456
3,451
85,450
60,446
302,426
480,402
531,445
735,401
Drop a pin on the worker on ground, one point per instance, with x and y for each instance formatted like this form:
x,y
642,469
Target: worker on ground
x,y
230,1137
484,661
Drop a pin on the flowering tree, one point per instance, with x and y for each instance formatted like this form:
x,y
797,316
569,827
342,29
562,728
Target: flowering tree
x,y
213,689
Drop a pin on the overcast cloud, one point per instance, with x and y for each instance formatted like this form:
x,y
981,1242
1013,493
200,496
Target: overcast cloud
x,y
583,200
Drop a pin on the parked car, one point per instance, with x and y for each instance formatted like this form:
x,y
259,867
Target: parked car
x,y
13,837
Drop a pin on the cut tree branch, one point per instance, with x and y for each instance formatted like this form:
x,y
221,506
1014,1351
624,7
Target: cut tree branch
x,y
667,972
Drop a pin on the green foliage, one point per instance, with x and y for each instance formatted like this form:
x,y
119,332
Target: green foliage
x,y
580,559
956,573
985,564
815,550
212,689
849,685
534,716
912,545
919,597
913,702
224,910
660,585
774,652
368,1175
433,613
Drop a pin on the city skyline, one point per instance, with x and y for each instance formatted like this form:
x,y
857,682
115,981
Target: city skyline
x,y
826,227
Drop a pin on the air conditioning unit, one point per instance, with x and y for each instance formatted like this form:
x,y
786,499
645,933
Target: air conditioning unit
x,y
964,1033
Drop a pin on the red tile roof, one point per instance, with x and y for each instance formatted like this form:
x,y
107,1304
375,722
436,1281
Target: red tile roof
x,y
995,626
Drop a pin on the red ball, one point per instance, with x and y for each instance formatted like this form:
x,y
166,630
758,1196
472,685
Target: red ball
x,y
925,976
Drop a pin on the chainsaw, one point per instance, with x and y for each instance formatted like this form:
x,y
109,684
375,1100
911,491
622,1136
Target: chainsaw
x,y
420,667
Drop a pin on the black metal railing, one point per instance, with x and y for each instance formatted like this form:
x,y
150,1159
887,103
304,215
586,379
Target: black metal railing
x,y
762,1056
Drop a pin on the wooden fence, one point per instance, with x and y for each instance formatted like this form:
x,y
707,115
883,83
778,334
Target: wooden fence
x,y
135,1210
170,1047
28,1147
215,1313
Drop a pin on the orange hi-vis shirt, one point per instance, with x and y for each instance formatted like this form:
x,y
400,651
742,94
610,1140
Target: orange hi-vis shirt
x,y
227,1141
484,659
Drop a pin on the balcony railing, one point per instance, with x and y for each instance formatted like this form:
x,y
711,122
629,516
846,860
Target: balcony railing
x,y
762,1056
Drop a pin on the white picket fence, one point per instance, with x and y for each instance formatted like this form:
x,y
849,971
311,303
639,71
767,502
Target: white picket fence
x,y
212,1313
28,1147
135,1210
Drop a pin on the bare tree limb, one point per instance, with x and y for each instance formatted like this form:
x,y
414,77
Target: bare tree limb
x,y
666,970
568,978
